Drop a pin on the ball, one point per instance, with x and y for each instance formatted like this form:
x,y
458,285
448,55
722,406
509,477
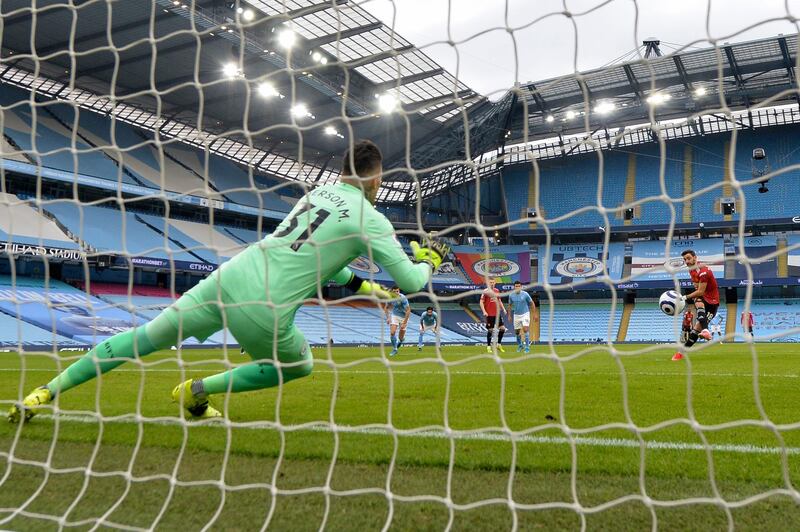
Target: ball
x,y
671,303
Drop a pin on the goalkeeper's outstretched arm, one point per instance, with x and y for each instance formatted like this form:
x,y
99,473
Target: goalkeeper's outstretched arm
x,y
382,245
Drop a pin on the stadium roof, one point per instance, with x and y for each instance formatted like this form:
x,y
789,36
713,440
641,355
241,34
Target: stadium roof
x,y
162,64
602,102
671,86
172,58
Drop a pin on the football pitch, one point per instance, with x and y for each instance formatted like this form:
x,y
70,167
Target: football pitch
x,y
554,440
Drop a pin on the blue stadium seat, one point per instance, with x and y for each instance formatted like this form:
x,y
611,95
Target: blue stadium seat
x,y
648,183
708,169
110,230
228,176
579,322
649,324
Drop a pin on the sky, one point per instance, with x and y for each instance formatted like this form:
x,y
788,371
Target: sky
x,y
498,42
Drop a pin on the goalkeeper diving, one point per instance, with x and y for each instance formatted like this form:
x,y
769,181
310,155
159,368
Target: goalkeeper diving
x,y
257,293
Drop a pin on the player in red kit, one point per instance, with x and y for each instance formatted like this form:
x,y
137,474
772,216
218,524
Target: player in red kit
x,y
705,296
490,301
688,318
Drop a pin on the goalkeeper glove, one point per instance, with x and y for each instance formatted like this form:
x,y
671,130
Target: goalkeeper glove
x,y
432,251
368,288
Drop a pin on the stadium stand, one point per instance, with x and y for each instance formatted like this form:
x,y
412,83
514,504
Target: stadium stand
x,y
648,183
245,236
583,172
649,324
117,151
114,231
22,224
118,141
515,185
200,239
579,322
358,325
9,151
209,236
230,179
779,319
708,167
53,140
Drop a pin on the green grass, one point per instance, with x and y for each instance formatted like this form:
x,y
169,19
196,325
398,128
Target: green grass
x,y
711,430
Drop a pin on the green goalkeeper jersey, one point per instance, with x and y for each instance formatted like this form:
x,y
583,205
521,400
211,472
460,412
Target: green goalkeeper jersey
x,y
326,230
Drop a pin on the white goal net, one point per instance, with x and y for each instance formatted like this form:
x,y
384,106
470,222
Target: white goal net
x,y
556,149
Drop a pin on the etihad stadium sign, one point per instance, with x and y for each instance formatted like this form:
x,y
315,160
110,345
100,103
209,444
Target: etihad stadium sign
x,y
41,251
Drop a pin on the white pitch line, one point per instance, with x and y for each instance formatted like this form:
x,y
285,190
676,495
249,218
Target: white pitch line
x,y
457,372
488,436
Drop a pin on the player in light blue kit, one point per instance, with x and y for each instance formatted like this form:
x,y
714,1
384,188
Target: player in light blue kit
x,y
428,322
397,312
522,307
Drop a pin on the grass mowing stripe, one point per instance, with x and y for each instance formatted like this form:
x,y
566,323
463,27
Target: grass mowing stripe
x,y
441,434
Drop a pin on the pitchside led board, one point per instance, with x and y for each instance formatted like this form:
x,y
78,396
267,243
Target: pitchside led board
x,y
649,258
578,262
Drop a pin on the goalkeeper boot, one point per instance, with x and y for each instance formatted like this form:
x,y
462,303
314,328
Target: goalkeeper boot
x,y
704,334
30,405
677,356
196,404
500,348
488,349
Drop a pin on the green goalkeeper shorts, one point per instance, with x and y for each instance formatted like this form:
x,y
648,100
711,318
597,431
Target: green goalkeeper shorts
x,y
262,331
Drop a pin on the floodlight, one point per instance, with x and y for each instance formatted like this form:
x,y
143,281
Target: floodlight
x,y
387,103
658,98
231,70
287,38
267,90
571,114
700,91
549,118
300,110
604,108
248,15
330,130
316,56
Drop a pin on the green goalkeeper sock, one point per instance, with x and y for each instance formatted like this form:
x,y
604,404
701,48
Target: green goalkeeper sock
x,y
254,377
104,357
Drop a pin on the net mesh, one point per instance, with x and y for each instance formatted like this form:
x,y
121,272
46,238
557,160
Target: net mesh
x,y
147,142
